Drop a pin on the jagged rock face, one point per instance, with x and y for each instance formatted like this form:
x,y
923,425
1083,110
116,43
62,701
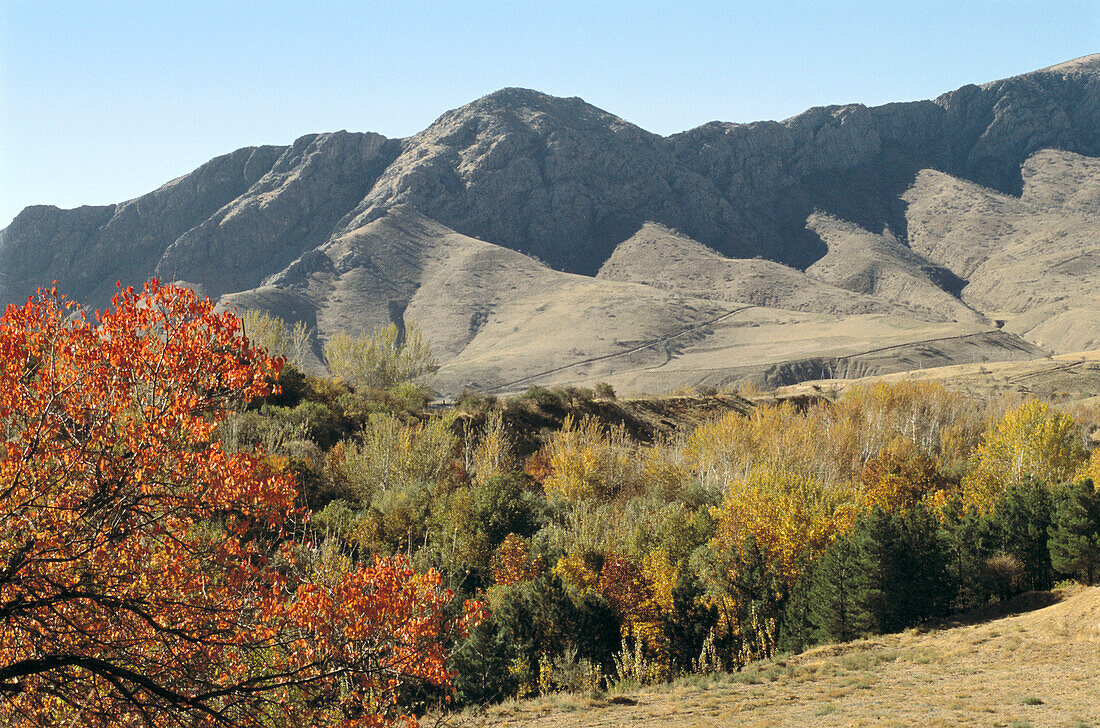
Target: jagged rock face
x,y
912,219
291,209
89,249
563,181
555,178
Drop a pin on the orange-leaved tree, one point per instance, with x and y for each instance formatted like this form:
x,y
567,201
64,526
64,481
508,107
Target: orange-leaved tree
x,y
146,576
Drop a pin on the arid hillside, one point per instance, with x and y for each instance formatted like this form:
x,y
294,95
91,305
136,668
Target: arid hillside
x,y
541,240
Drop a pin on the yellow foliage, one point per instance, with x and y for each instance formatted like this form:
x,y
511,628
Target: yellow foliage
x,y
664,471
916,411
899,476
662,576
1031,441
492,456
731,447
587,461
1090,468
575,572
276,336
394,456
512,561
381,359
789,515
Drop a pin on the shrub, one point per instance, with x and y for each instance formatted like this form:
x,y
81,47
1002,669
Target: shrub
x,y
382,359
603,390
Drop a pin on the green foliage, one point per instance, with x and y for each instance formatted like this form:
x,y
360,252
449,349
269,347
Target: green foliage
x,y
471,521
689,623
1018,527
383,359
603,390
1075,532
888,573
968,546
841,596
395,457
482,665
540,618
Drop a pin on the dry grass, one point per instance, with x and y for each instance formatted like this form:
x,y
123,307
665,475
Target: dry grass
x,y
1038,668
1070,380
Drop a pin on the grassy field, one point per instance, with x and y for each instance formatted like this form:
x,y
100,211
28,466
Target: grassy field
x,y
1039,667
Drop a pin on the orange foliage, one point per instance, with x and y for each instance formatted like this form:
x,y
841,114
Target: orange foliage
x,y
145,578
538,467
900,476
627,590
512,561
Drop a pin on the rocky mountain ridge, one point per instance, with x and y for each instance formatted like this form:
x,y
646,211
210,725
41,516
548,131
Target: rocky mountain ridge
x,y
828,214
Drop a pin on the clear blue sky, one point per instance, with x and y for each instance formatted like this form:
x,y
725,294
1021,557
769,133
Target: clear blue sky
x,y
103,101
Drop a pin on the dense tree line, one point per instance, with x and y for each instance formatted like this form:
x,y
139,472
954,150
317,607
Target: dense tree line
x,y
605,558
578,552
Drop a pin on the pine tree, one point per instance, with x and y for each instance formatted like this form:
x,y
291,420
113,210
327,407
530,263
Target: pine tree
x,y
1019,521
1074,541
967,541
919,585
888,573
841,596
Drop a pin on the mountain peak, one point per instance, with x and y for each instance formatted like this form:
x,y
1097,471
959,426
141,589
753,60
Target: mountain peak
x,y
517,95
529,107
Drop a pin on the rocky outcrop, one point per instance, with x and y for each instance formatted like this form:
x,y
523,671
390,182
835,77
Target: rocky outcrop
x,y
89,249
293,208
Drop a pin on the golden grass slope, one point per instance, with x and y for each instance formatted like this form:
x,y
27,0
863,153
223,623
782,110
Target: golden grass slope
x,y
1032,261
1061,378
1037,668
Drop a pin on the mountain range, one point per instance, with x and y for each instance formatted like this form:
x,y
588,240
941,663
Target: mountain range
x,y
541,240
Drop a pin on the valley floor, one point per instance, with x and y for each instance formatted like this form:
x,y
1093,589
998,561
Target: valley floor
x,y
1037,668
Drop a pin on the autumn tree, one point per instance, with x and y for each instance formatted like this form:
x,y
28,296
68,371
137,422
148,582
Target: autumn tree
x,y
512,562
385,358
1030,442
146,574
277,337
791,518
588,461
900,476
492,455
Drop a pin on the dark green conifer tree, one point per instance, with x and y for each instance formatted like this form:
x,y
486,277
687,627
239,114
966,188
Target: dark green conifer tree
x,y
842,594
1074,538
888,573
967,540
1019,523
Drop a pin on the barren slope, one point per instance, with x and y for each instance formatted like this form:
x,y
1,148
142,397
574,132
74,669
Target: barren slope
x,y
880,265
662,257
491,315
1033,260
